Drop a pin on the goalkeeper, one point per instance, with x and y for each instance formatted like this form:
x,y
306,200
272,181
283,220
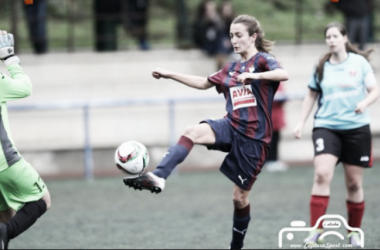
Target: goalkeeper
x,y
23,194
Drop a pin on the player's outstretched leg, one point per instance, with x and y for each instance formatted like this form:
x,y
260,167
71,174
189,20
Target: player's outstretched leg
x,y
25,217
155,181
21,221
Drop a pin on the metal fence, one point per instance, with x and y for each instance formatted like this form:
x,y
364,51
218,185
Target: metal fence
x,y
85,106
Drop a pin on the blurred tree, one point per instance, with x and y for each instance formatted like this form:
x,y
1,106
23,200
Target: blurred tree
x,y
106,19
280,5
299,26
183,33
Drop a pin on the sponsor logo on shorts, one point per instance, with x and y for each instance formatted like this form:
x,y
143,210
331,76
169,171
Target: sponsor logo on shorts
x,y
241,179
364,158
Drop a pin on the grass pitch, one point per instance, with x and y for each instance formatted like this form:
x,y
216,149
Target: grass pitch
x,y
193,212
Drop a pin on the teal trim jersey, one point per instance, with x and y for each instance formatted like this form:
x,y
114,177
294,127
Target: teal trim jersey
x,y
341,88
16,86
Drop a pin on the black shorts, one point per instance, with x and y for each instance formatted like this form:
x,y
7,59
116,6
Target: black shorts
x,y
245,157
352,146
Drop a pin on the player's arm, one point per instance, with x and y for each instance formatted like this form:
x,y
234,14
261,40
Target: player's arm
x,y
307,106
196,82
277,75
373,93
18,85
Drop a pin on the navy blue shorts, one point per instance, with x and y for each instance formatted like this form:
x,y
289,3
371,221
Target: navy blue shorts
x,y
245,157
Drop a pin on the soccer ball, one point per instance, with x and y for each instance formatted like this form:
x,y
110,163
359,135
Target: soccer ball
x,y
132,158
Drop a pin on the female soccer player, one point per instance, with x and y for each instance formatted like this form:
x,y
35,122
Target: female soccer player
x,y
341,127
23,194
245,133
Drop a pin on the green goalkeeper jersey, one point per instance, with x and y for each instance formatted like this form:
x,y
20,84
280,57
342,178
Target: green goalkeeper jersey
x,y
16,86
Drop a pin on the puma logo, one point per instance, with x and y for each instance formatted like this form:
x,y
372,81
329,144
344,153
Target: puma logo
x,y
242,232
242,180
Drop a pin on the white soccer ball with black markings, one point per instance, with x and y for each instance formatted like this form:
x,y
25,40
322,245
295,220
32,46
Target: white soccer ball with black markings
x,y
132,158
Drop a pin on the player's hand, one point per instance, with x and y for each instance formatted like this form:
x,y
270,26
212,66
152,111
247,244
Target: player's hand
x,y
158,73
6,45
297,131
245,76
360,107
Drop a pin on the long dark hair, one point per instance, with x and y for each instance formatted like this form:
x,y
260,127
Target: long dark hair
x,y
253,26
349,48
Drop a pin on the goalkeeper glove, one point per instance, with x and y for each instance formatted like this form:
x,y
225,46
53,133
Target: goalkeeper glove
x,y
6,45
7,48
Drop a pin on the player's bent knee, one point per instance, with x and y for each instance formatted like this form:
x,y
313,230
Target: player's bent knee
x,y
238,203
192,132
47,199
48,205
200,134
240,200
188,131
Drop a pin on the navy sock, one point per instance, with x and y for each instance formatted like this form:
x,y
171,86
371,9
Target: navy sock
x,y
240,226
25,218
174,156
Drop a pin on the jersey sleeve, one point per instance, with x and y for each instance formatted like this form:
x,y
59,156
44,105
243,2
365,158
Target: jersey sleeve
x,y
17,86
267,62
217,78
313,83
366,67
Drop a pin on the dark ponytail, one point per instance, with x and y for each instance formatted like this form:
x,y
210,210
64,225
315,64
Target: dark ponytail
x,y
253,26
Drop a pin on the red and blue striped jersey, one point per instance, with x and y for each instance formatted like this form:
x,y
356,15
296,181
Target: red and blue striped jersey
x,y
248,107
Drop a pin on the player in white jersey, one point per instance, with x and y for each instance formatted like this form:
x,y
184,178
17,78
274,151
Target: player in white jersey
x,y
24,196
345,86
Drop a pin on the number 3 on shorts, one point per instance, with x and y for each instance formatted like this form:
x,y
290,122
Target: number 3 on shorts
x,y
319,145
